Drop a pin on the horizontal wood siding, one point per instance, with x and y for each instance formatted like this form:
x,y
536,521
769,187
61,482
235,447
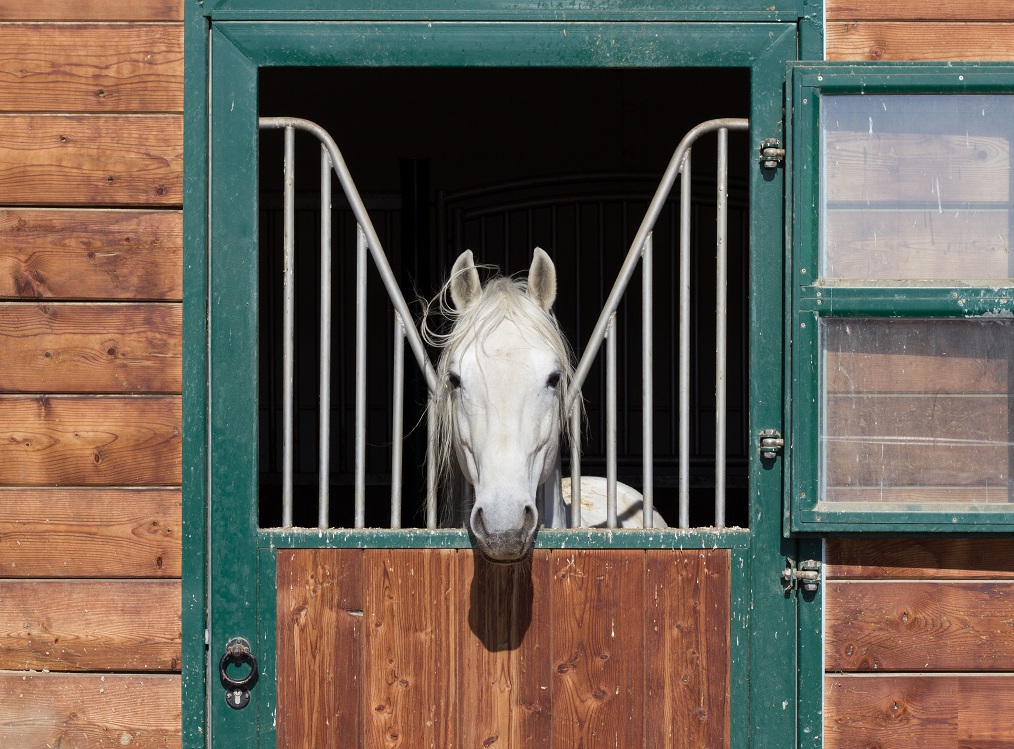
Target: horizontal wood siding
x,y
84,532
80,160
91,67
440,648
91,10
916,30
67,348
41,711
91,248
91,254
90,441
925,711
919,647
94,625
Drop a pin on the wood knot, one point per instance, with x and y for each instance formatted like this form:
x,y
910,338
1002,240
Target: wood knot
x,y
489,741
599,694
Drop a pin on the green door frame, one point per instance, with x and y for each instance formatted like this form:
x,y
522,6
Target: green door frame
x,y
231,563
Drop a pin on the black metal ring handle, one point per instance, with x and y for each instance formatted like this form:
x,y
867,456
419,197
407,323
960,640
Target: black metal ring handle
x,y
237,652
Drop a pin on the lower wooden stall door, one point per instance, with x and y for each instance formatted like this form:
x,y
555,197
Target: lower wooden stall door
x,y
438,648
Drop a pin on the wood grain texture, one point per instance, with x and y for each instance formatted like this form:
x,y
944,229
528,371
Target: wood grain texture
x,y
930,712
320,647
929,358
598,648
919,558
687,678
922,41
920,10
505,667
891,167
107,533
90,441
91,160
917,244
410,648
919,626
88,711
91,67
91,10
90,625
91,348
91,254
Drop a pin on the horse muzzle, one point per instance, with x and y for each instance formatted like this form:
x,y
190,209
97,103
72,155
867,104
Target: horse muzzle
x,y
504,544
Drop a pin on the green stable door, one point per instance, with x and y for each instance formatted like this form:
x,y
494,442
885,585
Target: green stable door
x,y
376,637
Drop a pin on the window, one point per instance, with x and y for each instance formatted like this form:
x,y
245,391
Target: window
x,y
902,407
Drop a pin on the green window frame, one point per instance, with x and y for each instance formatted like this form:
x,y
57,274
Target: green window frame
x,y
890,428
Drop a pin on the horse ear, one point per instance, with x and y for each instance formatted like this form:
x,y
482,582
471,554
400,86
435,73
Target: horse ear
x,y
542,280
465,284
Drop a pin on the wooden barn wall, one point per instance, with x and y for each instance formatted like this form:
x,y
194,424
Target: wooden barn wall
x,y
919,647
91,144
874,30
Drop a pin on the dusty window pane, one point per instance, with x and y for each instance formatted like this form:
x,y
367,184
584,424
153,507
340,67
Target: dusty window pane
x,y
916,411
916,187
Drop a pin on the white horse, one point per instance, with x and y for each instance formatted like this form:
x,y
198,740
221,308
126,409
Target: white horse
x,y
503,375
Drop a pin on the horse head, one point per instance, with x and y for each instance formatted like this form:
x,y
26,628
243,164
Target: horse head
x,y
504,373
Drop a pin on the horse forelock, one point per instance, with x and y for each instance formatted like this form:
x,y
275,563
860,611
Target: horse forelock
x,y
501,299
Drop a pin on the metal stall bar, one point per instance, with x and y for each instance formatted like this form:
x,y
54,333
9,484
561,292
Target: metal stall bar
x,y
397,420
324,458
721,313
647,394
367,240
634,254
360,454
610,423
575,468
684,346
288,320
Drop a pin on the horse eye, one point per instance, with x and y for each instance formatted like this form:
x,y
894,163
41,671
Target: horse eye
x,y
453,380
554,380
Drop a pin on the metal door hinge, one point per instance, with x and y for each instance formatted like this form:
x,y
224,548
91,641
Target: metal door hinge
x,y
771,443
805,575
772,153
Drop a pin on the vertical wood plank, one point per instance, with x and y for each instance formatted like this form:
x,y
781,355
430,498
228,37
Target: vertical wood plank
x,y
598,648
320,622
505,667
410,660
687,679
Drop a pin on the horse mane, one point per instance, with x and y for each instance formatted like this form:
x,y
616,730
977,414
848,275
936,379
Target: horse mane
x,y
501,298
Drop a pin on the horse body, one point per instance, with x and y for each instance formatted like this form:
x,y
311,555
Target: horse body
x,y
503,377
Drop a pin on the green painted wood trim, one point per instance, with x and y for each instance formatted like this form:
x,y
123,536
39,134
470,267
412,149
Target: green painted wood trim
x,y
233,374
267,648
195,379
513,10
522,44
811,654
547,538
773,626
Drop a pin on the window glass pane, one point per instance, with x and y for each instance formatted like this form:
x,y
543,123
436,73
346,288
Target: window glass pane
x,y
916,187
916,411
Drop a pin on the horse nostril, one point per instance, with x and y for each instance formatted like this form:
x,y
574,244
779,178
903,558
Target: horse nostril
x,y
478,526
530,521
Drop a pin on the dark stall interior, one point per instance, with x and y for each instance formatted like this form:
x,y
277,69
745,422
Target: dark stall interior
x,y
499,161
